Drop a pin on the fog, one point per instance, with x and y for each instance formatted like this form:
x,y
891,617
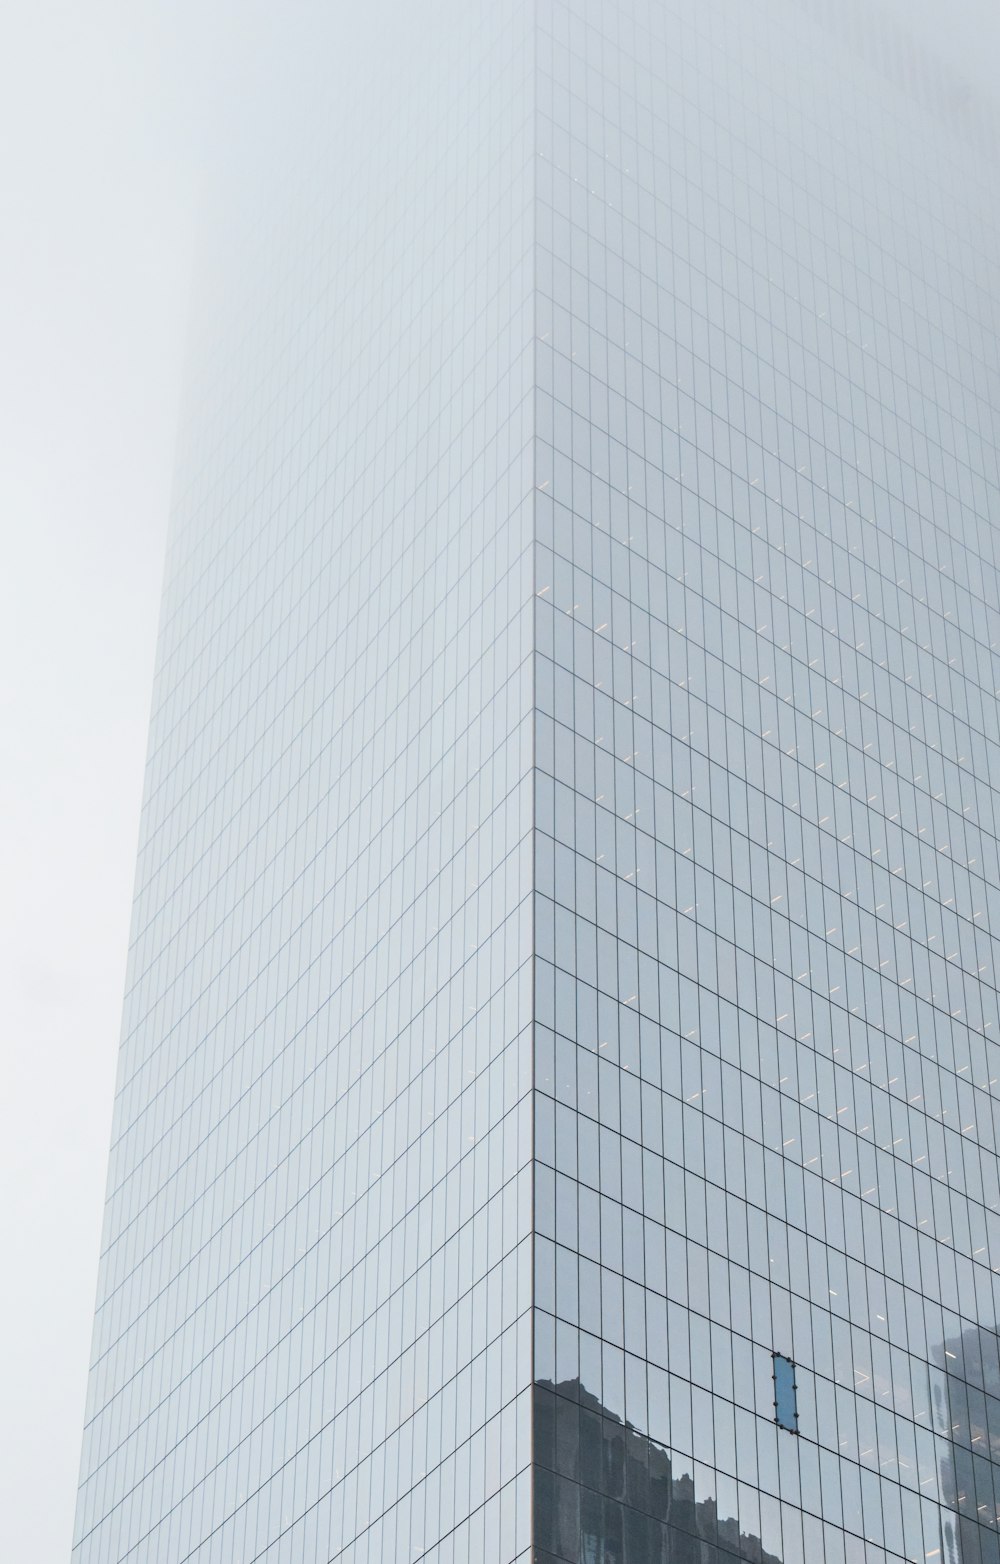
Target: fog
x,y
118,125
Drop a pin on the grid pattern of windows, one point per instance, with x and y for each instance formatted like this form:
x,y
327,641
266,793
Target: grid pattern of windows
x,y
313,1328
766,861
557,1104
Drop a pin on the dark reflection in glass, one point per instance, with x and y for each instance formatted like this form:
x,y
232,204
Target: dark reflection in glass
x,y
967,1410
607,1494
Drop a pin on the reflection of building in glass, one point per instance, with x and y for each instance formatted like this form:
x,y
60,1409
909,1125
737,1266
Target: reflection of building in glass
x,y
607,1494
967,1412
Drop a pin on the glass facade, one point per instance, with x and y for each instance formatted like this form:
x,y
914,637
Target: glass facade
x,y
313,1334
766,855
555,1116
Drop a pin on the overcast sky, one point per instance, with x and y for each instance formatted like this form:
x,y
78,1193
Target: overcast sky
x,y
99,195
109,116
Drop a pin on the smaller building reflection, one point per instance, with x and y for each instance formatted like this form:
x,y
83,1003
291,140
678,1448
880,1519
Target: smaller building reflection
x,y
967,1414
607,1494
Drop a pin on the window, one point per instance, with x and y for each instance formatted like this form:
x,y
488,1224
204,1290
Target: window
x,y
786,1412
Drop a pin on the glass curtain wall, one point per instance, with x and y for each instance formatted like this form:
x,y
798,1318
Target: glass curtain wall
x,y
766,868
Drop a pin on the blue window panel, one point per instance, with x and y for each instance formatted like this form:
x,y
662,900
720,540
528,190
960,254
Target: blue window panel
x,y
786,1411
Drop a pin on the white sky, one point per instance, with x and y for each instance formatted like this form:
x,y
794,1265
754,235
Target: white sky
x,y
109,114
97,211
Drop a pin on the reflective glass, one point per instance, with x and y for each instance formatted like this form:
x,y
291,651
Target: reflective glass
x,y
313,1326
559,1052
766,864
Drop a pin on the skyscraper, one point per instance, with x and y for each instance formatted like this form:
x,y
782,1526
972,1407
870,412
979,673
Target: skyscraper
x,y
556,1112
